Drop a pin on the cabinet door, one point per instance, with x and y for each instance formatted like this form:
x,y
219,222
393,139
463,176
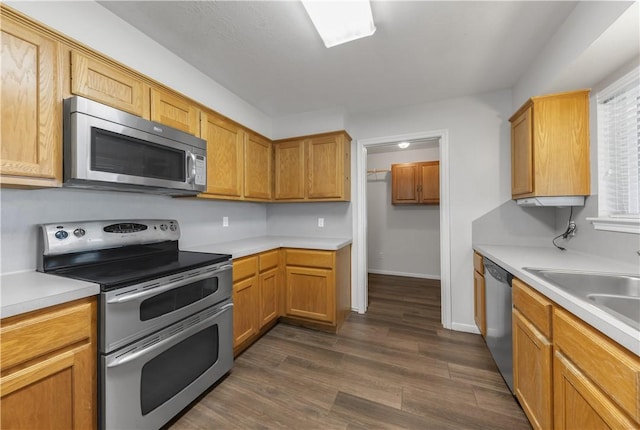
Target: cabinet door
x,y
30,130
578,404
289,170
325,167
521,154
224,155
258,171
430,182
245,310
404,183
268,296
479,307
532,377
174,111
49,368
310,293
104,83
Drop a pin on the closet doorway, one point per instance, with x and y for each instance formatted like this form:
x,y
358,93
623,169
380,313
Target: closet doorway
x,y
403,239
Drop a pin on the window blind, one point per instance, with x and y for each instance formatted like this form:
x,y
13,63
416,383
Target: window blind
x,y
619,148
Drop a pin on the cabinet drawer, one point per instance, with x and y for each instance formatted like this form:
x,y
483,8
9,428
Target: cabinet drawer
x,y
245,268
269,260
613,369
478,264
310,258
534,306
37,333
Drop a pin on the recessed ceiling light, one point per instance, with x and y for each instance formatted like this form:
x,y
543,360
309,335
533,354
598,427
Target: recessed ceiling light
x,y
403,145
338,22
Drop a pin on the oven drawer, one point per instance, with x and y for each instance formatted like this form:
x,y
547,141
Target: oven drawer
x,y
147,383
132,312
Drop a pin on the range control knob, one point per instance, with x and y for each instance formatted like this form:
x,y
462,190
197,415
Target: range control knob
x,y
61,234
173,227
163,227
79,232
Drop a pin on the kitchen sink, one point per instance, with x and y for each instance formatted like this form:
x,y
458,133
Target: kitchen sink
x,y
618,295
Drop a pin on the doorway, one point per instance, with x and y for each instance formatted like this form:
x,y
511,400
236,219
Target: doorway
x,y
360,272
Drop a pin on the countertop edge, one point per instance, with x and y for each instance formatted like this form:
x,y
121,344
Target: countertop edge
x,y
503,255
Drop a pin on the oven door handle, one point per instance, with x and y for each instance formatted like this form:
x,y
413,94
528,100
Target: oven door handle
x,y
153,291
127,358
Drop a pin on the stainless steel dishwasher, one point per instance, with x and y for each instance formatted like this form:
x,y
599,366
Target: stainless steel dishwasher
x,y
499,332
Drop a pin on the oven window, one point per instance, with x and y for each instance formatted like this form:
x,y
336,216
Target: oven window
x,y
177,298
117,153
170,372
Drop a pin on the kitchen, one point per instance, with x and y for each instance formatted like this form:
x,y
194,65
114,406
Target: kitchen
x,y
473,121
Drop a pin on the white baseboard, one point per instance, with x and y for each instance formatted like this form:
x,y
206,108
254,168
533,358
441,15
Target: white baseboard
x,y
467,328
408,275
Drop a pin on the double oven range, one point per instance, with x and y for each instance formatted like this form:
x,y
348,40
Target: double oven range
x,y
166,316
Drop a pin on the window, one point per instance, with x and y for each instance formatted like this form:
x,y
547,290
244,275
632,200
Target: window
x,y
619,155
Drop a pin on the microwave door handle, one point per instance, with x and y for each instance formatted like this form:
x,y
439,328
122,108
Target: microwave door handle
x,y
127,358
153,291
191,167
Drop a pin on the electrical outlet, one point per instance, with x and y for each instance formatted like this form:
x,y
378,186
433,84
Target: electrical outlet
x,y
321,222
572,228
225,221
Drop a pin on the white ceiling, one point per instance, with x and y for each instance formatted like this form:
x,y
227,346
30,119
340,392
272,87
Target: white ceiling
x,y
268,53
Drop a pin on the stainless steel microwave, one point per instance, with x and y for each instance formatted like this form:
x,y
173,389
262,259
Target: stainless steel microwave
x,y
105,148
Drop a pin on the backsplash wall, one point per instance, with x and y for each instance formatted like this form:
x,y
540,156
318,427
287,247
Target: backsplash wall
x,y
200,220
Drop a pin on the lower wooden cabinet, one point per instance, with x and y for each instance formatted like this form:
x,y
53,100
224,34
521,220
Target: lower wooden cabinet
x,y
49,368
479,294
567,375
269,287
318,292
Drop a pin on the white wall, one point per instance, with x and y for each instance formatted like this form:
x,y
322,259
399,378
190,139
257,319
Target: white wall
x,y
306,123
479,170
101,30
402,240
301,219
200,220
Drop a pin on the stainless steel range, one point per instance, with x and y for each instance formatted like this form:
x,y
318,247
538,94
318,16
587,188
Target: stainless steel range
x,y
166,316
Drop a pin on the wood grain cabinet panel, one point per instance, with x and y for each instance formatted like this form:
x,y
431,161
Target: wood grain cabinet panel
x,y
318,287
289,170
97,80
480,303
415,183
269,296
550,146
31,127
245,299
258,167
225,156
313,168
49,368
174,111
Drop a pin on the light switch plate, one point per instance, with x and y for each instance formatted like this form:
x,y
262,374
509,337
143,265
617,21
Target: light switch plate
x,y
225,221
320,222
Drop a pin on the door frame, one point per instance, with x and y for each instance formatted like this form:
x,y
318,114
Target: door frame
x,y
360,290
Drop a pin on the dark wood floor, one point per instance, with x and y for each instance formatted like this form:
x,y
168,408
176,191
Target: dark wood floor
x,y
394,367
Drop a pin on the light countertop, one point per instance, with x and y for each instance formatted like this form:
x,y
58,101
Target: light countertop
x,y
254,245
28,291
515,258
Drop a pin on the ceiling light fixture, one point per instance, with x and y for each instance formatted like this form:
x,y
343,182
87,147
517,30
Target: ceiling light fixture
x,y
403,145
338,22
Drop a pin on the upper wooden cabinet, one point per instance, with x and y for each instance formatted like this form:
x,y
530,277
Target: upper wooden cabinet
x,y
225,156
415,183
550,146
49,368
106,83
313,168
175,111
289,170
31,129
258,167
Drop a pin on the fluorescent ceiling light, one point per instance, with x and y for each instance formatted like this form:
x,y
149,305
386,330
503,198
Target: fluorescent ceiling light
x,y
403,145
338,22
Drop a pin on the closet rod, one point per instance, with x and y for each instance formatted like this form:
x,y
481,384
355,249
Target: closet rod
x,y
378,171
